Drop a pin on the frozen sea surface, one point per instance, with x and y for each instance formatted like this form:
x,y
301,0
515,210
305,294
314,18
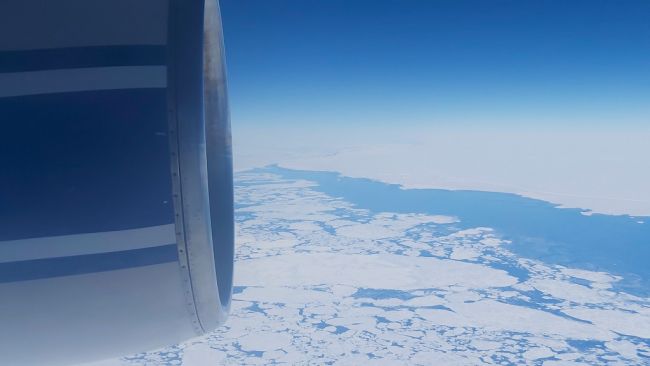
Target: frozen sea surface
x,y
341,271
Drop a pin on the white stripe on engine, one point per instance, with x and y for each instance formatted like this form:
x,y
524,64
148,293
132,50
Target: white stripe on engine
x,y
81,244
83,79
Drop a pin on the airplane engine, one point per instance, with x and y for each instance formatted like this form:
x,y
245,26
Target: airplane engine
x,y
116,193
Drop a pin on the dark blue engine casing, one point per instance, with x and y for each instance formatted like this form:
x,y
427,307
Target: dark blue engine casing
x,y
116,194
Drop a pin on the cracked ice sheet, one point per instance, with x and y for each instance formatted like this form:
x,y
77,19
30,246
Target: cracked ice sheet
x,y
320,281
368,271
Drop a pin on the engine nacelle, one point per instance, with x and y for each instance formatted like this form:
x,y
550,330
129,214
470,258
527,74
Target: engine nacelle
x,y
116,193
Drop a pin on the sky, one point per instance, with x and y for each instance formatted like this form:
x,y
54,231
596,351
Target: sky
x,y
459,62
548,99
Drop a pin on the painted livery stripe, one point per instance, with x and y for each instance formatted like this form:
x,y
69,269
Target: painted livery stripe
x,y
95,161
81,264
84,244
84,79
82,57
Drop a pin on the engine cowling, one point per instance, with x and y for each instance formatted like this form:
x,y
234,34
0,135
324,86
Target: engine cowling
x,y
116,197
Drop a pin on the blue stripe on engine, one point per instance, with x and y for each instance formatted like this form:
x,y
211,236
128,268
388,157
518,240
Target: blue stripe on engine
x,y
81,264
85,162
82,57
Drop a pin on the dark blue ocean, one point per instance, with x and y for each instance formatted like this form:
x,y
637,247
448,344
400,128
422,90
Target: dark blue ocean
x,y
617,244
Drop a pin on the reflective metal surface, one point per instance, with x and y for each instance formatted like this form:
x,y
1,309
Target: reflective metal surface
x,y
200,135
